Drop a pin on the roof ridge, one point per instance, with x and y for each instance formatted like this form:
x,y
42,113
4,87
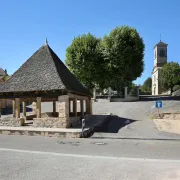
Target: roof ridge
x,y
49,50
60,75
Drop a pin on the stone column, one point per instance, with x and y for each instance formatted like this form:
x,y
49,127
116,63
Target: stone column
x,y
24,109
125,91
82,107
17,107
34,107
109,91
137,91
69,106
94,94
75,107
54,108
14,108
38,107
63,109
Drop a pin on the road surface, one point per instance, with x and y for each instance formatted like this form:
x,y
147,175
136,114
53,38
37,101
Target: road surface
x,y
32,158
134,119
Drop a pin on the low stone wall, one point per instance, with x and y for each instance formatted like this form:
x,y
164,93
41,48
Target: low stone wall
x,y
49,122
52,122
131,98
126,99
117,99
102,100
10,121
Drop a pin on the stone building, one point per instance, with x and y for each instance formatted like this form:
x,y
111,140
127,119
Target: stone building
x,y
3,75
160,58
44,78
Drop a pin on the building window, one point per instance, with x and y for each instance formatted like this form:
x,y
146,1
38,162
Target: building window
x,y
162,53
155,54
154,78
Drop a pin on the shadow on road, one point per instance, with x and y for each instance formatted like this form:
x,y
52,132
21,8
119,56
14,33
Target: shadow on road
x,y
114,124
155,98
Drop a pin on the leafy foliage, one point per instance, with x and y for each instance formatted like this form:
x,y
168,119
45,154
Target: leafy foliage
x,y
85,60
114,61
123,51
169,75
147,86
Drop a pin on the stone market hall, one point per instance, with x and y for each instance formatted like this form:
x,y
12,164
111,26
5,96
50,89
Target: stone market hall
x,y
45,78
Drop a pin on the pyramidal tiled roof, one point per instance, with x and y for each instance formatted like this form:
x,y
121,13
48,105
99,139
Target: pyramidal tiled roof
x,y
43,71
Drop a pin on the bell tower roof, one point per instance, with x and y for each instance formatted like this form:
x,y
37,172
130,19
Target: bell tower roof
x,y
161,44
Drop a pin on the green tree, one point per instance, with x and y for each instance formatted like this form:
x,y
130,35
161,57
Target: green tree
x,y
123,51
169,75
85,60
147,86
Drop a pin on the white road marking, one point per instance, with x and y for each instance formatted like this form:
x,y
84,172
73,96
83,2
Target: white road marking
x,y
88,156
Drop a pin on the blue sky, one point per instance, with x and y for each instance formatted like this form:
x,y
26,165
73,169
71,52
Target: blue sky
x,y
24,25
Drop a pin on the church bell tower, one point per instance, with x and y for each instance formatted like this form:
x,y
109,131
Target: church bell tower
x,y
160,58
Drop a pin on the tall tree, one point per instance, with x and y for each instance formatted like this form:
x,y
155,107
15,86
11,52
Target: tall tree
x,y
84,59
147,86
169,75
123,51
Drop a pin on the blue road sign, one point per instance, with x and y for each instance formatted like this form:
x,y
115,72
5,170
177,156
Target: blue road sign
x,y
158,104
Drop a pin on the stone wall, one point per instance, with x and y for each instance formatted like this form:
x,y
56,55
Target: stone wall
x,y
10,121
51,122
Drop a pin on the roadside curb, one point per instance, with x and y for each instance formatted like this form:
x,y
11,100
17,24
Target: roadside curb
x,y
134,138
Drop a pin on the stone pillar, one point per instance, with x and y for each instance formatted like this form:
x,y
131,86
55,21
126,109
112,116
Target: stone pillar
x,y
75,107
54,108
69,106
125,91
24,109
82,107
137,91
38,107
34,107
94,94
14,108
63,109
109,91
17,107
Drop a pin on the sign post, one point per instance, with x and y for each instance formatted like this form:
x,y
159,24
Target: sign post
x,y
83,126
158,105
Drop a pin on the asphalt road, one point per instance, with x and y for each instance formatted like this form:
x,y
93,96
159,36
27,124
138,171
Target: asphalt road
x,y
134,119
24,157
